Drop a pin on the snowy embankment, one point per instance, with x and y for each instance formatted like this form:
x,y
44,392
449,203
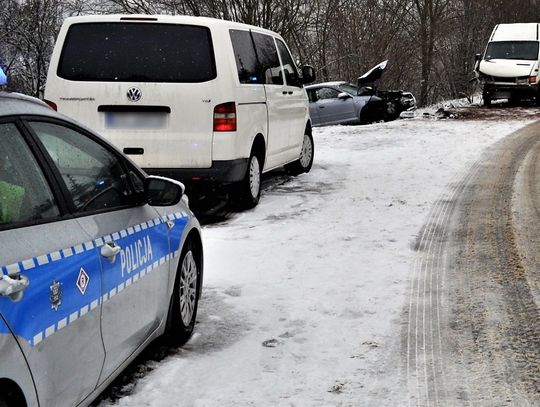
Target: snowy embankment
x,y
304,295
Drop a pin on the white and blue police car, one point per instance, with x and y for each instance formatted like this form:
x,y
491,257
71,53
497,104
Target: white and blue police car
x,y
97,259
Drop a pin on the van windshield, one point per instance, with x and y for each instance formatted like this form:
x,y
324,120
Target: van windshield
x,y
525,50
142,52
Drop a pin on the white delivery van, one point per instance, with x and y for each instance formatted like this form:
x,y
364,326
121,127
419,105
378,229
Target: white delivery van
x,y
508,68
191,98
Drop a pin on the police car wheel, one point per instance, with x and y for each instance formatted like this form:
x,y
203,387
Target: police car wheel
x,y
184,303
305,161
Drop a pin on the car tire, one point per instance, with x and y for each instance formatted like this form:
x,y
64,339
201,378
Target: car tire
x,y
487,99
249,189
185,298
4,402
305,161
373,112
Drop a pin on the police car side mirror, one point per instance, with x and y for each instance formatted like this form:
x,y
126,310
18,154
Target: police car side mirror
x,y
161,191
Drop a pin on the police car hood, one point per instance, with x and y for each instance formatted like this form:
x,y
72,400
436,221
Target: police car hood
x,y
371,77
508,68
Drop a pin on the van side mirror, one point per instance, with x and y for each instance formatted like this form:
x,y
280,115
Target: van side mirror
x,y
308,74
478,57
161,191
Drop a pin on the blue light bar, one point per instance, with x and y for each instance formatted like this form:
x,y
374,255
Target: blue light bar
x,y
3,77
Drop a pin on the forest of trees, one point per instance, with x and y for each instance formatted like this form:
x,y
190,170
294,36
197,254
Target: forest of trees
x,y
430,44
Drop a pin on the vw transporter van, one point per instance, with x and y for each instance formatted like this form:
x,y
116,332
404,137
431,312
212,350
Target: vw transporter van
x,y
192,98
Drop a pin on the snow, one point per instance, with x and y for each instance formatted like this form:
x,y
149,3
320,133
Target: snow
x,y
304,295
431,110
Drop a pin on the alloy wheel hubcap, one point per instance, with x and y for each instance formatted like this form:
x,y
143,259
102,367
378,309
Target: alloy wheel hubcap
x,y
254,177
307,151
188,288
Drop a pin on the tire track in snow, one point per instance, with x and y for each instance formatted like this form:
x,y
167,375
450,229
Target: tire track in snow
x,y
423,375
472,334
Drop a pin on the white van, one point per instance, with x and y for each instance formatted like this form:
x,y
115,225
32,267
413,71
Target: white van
x,y
191,98
508,68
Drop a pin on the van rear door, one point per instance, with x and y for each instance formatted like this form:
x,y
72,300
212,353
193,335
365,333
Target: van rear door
x,y
146,86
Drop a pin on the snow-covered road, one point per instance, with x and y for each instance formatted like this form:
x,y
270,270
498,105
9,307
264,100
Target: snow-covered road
x,y
304,295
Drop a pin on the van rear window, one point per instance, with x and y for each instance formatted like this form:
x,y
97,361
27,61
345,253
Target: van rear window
x,y
141,52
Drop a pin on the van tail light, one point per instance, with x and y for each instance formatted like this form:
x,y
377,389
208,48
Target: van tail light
x,y
225,117
532,80
52,105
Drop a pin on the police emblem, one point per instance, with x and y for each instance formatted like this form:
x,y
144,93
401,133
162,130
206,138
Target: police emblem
x,y
82,281
56,295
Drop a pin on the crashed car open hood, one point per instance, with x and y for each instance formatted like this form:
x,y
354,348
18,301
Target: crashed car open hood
x,y
373,75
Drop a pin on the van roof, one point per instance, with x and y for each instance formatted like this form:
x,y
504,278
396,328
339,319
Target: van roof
x,y
515,32
163,18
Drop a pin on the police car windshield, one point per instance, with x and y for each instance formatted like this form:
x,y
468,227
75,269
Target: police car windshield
x,y
523,50
124,52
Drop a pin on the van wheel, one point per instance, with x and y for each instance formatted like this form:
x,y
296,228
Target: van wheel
x,y
249,189
487,99
185,299
305,161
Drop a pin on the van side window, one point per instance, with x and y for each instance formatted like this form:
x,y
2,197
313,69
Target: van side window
x,y
268,59
246,58
289,67
24,193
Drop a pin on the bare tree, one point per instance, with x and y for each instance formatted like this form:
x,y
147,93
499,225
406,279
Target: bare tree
x,y
430,43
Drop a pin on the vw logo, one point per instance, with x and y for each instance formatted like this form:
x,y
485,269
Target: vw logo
x,y
134,94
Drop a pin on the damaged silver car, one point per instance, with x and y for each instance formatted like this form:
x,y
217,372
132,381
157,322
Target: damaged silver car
x,y
340,102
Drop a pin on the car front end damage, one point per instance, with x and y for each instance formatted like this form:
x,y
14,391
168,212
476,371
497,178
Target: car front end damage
x,y
520,87
384,105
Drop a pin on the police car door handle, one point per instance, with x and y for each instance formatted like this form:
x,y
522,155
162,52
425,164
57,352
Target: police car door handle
x,y
110,250
13,286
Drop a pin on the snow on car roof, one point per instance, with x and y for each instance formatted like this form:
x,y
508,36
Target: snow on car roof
x,y
332,83
17,103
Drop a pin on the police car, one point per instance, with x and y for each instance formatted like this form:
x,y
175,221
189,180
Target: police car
x,y
97,259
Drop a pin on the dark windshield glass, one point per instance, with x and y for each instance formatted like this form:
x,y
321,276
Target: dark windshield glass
x,y
527,50
143,52
349,88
